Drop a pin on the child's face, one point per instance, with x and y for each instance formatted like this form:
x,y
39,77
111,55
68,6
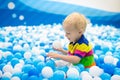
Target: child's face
x,y
72,33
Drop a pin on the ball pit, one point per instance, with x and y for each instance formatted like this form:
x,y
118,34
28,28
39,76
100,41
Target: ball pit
x,y
23,52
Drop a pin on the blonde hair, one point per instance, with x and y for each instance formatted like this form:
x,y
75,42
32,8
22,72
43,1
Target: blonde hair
x,y
77,20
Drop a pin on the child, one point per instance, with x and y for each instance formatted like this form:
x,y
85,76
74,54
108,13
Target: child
x,y
79,49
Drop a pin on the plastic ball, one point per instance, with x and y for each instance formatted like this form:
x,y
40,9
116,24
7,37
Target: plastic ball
x,y
50,63
1,66
57,44
40,66
40,57
36,61
0,73
42,44
10,57
15,78
95,71
97,78
36,50
108,59
105,76
115,61
7,74
17,74
101,58
24,76
17,48
26,68
47,72
87,77
26,46
0,56
118,64
115,77
81,67
7,68
72,74
58,74
27,55
33,71
63,68
5,54
109,68
117,71
5,78
14,61
33,78
18,55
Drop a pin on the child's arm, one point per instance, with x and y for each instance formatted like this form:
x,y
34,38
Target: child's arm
x,y
61,50
71,59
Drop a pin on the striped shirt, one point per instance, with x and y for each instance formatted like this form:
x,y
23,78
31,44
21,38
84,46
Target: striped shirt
x,y
83,49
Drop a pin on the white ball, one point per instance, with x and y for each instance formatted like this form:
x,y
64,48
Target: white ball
x,y
0,73
97,78
7,74
95,71
57,44
27,55
17,47
0,56
15,78
87,77
47,72
72,72
108,59
115,61
8,68
16,70
40,57
115,77
26,46
11,5
84,73
36,50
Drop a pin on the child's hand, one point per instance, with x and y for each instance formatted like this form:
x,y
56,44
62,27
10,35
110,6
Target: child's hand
x,y
53,55
58,49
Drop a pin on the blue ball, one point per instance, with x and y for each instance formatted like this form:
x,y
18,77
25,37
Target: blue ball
x,y
42,44
118,64
33,78
50,63
109,68
10,57
105,48
18,74
5,78
80,67
28,61
33,71
40,66
63,68
24,76
97,47
117,71
14,61
58,75
36,61
18,55
2,65
105,76
26,68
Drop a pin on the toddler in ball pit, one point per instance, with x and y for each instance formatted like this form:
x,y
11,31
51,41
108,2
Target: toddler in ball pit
x,y
79,49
